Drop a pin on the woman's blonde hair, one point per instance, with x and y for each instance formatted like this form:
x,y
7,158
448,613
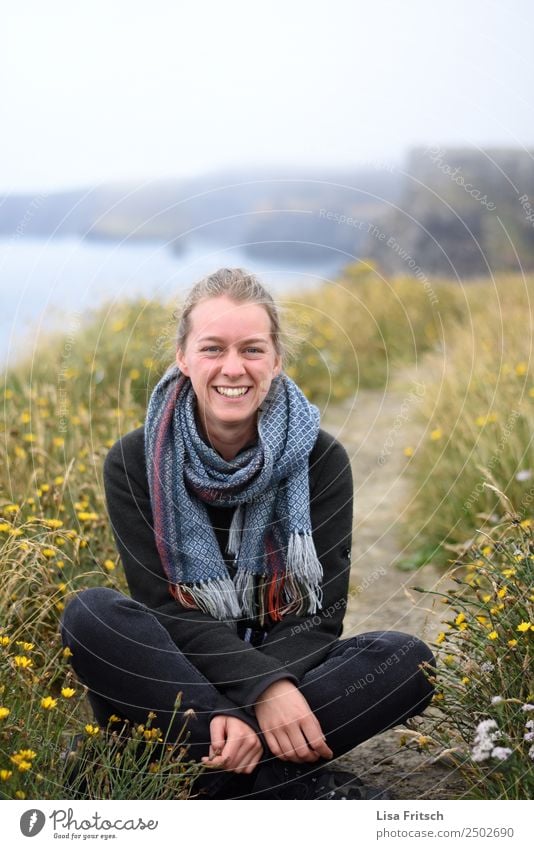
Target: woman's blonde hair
x,y
239,285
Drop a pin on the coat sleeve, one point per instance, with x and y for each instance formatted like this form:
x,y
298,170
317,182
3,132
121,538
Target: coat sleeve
x,y
234,666
300,643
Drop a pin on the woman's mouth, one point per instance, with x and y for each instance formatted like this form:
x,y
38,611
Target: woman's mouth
x,y
232,391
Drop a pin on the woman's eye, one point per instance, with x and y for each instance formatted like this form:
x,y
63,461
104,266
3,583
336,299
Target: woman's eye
x,y
211,349
254,351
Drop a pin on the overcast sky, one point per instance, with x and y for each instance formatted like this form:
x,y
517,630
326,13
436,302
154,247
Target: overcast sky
x,y
103,90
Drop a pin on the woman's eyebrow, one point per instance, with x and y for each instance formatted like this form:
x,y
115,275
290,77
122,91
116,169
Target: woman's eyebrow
x,y
242,341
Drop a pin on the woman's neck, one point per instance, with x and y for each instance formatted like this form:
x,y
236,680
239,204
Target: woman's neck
x,y
228,441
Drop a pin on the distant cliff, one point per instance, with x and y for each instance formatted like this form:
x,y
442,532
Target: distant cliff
x,y
461,212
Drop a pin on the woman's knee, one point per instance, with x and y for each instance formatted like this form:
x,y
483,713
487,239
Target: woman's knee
x,y
88,612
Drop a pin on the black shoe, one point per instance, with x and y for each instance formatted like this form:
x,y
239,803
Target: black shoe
x,y
281,781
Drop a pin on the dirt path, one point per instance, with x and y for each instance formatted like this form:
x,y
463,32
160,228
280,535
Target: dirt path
x,y
375,428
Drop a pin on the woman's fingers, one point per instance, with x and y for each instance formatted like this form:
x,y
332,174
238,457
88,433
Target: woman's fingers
x,y
315,737
218,731
234,745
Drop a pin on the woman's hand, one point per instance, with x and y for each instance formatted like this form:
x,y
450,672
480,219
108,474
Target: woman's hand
x,y
235,746
291,730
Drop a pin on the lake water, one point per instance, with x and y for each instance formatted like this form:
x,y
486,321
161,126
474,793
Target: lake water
x,y
43,281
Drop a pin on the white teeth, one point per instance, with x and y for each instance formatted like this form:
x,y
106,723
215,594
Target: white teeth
x,y
231,392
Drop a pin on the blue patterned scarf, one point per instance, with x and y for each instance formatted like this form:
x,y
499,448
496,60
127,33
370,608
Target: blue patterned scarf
x,y
277,568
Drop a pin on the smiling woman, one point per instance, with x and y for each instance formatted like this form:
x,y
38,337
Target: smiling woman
x,y
232,513
231,360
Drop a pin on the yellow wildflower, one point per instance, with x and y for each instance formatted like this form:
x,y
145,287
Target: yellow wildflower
x,y
109,565
135,374
509,573
24,645
66,652
5,774
22,661
27,754
5,641
11,508
20,794
23,766
152,734
524,626
408,451
4,526
462,626
440,638
29,437
15,532
526,523
486,597
114,718
58,480
486,551
87,517
4,712
493,635
502,592
436,434
512,643
460,618
53,523
482,619
68,692
48,552
91,729
521,368
58,442
48,703
465,680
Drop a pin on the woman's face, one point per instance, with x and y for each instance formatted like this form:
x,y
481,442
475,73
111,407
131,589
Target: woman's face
x,y
231,360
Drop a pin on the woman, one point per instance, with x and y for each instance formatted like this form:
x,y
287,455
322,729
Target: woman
x,y
232,513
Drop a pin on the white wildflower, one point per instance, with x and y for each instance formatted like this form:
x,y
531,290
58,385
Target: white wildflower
x,y
524,475
527,707
529,737
487,666
496,700
485,736
501,753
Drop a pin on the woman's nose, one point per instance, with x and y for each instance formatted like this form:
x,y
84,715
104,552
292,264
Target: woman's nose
x,y
232,363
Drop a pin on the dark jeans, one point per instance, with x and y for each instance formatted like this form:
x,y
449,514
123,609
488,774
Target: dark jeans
x,y
365,685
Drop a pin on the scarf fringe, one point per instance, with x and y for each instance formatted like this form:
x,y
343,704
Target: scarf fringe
x,y
306,567
217,598
235,531
244,583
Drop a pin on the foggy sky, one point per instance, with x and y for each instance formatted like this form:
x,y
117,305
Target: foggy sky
x,y
99,91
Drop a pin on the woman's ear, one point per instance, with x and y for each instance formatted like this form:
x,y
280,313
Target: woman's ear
x,y
181,363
